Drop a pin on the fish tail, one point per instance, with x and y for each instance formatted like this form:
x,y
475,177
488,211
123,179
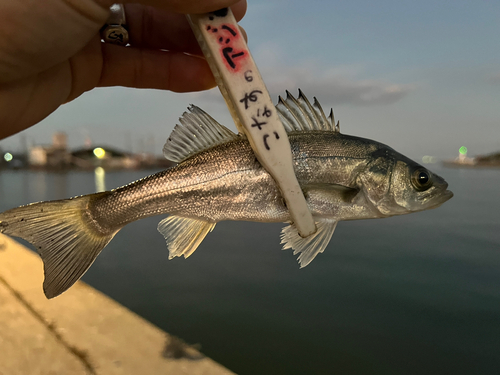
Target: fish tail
x,y
64,234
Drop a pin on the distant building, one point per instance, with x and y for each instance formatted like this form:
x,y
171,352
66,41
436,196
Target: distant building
x,y
59,141
54,156
37,155
103,156
57,156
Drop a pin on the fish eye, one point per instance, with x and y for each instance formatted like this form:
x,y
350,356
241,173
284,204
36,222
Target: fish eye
x,y
421,179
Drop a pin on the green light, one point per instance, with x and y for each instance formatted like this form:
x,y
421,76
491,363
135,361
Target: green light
x,y
8,156
463,150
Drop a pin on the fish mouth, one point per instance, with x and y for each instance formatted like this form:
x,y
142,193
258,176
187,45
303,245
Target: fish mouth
x,y
439,200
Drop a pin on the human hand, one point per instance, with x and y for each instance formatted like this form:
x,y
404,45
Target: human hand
x,y
51,52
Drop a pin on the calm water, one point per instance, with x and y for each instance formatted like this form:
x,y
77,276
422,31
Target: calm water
x,y
417,294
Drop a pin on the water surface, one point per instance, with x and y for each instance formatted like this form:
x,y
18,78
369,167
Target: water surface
x,y
415,294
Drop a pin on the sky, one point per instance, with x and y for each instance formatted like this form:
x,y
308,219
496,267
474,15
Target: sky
x,y
422,77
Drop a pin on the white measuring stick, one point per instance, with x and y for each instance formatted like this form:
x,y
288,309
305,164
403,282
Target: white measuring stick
x,y
251,106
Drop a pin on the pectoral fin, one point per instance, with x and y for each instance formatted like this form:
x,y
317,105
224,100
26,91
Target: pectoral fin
x,y
310,246
330,193
183,235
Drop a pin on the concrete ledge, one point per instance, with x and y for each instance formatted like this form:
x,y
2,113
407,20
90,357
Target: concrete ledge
x,y
81,331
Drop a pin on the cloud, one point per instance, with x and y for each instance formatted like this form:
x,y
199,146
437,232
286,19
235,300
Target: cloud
x,y
332,84
337,89
329,85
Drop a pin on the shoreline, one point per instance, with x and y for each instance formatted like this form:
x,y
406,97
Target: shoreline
x,y
453,164
82,331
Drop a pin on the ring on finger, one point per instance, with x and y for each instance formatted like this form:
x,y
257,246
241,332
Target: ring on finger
x,y
115,29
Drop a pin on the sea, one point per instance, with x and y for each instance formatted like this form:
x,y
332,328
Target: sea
x,y
413,294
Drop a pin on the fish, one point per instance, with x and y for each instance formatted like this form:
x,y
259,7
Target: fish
x,y
218,177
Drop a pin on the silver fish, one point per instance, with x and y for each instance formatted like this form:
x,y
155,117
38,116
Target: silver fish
x,y
218,178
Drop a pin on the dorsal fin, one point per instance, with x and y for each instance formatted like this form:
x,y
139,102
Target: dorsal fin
x,y
197,132
299,115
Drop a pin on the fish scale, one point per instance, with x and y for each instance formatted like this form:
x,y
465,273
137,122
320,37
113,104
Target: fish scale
x,y
218,178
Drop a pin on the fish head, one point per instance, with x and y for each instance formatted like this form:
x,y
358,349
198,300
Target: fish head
x,y
415,188
396,185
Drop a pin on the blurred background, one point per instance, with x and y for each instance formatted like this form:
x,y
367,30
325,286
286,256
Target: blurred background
x,y
412,294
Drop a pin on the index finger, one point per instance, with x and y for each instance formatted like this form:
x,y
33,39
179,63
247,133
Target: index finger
x,y
157,29
179,6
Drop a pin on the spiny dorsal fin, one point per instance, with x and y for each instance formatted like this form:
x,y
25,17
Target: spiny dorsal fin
x,y
310,246
331,117
299,115
197,132
183,235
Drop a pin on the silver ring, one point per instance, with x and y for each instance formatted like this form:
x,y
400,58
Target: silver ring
x,y
115,30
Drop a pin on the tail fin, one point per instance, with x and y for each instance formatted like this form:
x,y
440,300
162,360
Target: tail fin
x,y
64,234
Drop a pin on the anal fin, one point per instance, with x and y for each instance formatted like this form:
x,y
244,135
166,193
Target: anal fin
x,y
310,246
183,235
